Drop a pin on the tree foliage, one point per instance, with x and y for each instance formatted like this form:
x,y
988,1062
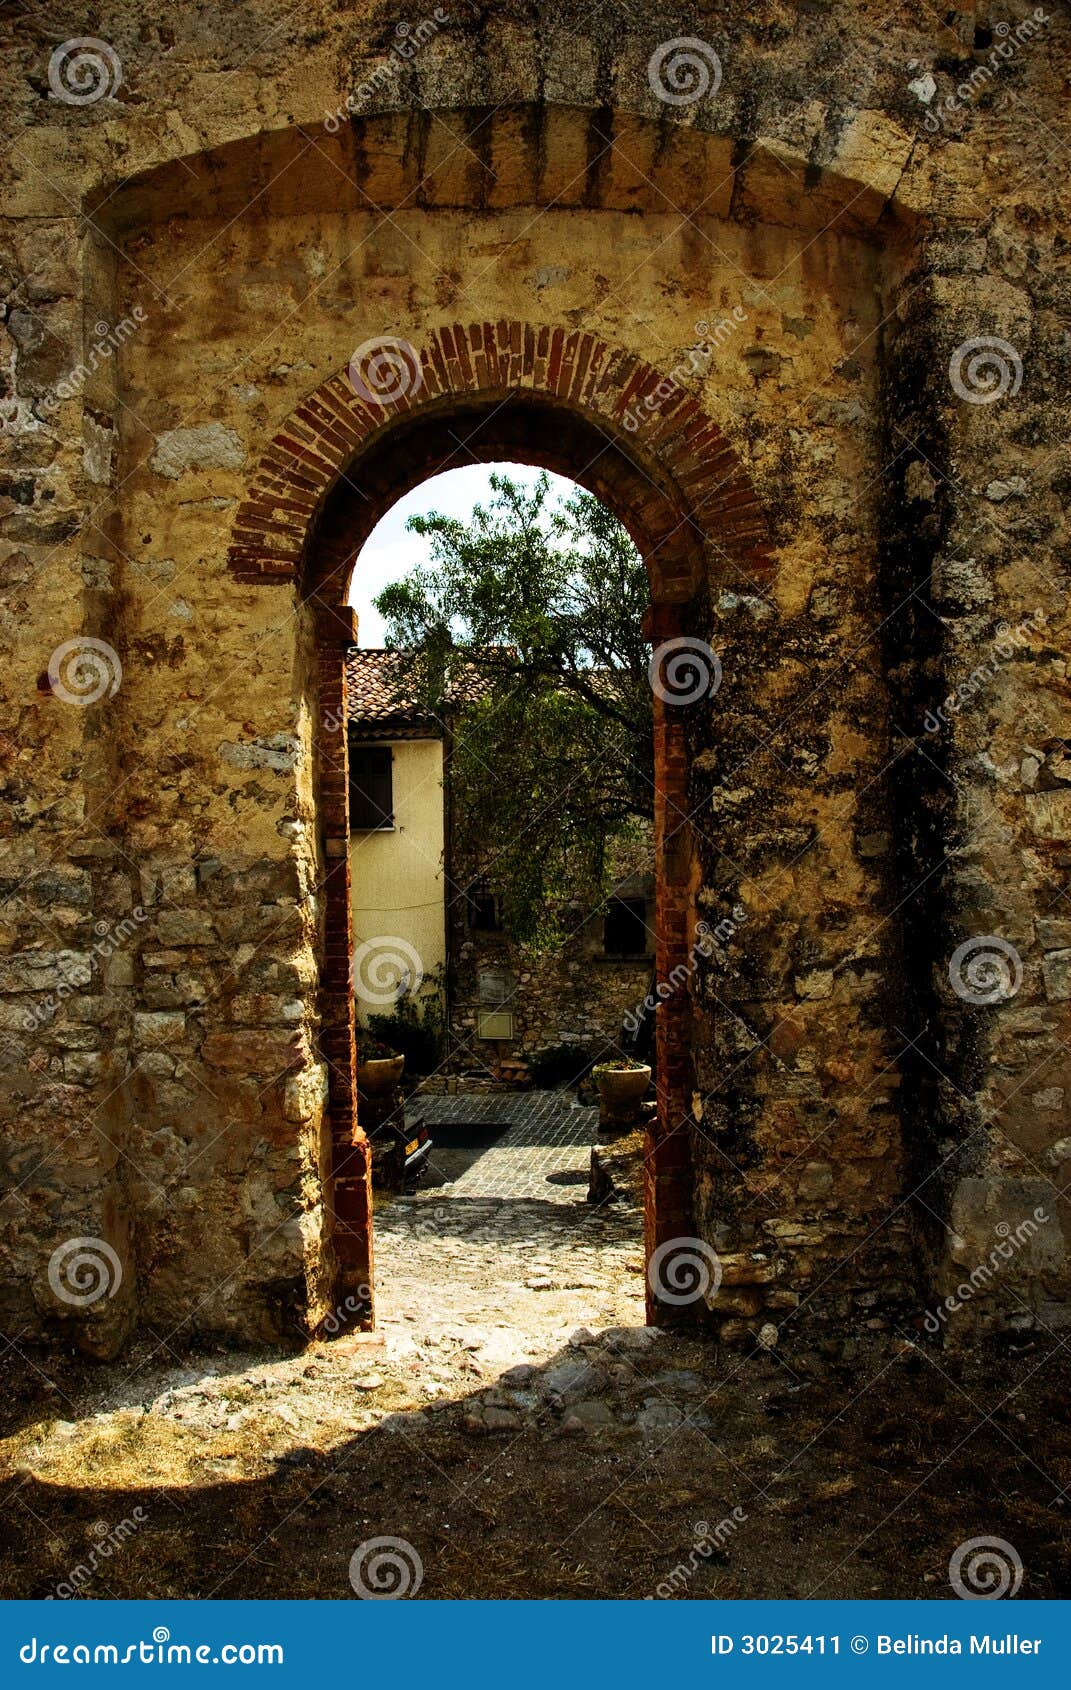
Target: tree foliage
x,y
525,630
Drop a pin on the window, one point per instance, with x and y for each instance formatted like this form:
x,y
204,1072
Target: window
x,y
371,787
624,930
485,909
494,1024
496,987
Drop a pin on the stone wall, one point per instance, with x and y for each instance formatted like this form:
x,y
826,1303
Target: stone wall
x,y
573,996
190,256
570,990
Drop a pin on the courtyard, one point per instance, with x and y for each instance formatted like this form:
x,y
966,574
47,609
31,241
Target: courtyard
x,y
514,1428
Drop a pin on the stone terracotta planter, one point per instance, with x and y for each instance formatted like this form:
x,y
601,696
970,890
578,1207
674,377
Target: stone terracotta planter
x,y
621,1085
379,1076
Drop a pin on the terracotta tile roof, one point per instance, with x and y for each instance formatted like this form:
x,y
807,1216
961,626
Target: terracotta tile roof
x,y
382,706
374,684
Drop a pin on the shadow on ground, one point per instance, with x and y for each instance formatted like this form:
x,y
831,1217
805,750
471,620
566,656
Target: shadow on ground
x,y
610,1470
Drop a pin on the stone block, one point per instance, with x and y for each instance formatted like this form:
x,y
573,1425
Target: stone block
x,y
987,1214
83,1068
37,971
261,1051
118,969
1056,972
261,1009
815,1181
306,1093
210,446
1049,814
1054,935
746,1267
159,1028
738,1302
185,927
279,753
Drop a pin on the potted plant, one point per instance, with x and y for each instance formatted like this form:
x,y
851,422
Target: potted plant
x,y
621,1081
379,1068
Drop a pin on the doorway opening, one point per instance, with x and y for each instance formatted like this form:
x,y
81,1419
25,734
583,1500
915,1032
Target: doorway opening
x,y
501,783
520,429
550,398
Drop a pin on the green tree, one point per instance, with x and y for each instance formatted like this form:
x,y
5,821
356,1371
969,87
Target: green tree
x,y
525,635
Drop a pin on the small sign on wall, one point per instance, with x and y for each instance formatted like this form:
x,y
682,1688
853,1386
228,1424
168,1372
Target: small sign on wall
x,y
496,986
494,1024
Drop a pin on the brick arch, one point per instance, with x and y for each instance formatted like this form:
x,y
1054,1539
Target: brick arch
x,y
275,525
546,397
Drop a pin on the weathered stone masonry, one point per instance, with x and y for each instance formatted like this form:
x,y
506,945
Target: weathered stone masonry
x,y
820,503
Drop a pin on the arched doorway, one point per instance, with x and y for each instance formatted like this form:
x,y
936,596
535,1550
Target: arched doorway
x,y
562,401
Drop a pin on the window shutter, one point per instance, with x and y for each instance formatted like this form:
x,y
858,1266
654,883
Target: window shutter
x,y
371,787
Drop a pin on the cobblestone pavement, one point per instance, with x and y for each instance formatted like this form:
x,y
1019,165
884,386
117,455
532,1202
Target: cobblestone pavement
x,y
499,1249
544,1152
515,1426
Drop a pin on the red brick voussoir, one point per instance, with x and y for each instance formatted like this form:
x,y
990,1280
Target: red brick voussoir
x,y
326,435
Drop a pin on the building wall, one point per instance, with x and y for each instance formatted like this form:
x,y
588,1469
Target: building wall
x,y
859,1122
398,885
567,993
573,996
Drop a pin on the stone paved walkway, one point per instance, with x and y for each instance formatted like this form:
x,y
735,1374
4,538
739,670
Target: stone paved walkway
x,y
544,1154
516,1431
498,1247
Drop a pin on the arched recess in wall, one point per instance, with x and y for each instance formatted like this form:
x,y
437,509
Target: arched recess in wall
x,y
564,401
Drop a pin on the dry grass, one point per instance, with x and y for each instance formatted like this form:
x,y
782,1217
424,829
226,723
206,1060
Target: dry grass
x,y
857,1483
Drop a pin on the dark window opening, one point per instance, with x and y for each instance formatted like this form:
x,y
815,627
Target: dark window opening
x,y
624,929
485,908
371,787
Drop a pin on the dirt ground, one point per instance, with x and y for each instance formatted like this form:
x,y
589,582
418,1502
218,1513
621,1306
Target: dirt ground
x,y
515,1431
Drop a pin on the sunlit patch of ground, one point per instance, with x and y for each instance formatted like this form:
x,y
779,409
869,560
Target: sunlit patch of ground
x,y
521,1433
